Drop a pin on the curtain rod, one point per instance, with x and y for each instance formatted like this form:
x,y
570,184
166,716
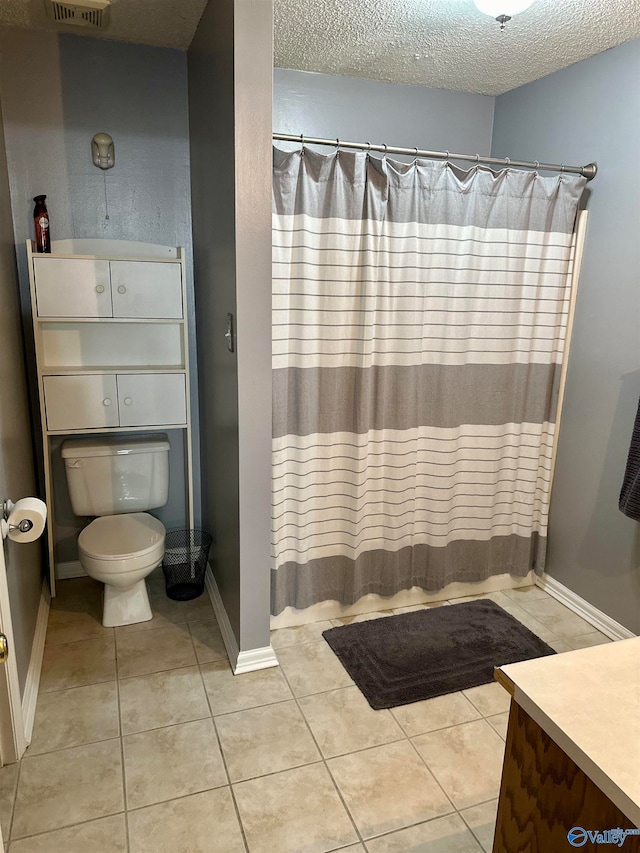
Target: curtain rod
x,y
589,171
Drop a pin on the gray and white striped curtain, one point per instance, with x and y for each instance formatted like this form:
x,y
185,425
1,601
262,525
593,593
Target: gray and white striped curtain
x,y
419,323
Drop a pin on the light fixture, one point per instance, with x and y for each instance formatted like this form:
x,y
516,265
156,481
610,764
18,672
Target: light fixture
x,y
103,151
502,10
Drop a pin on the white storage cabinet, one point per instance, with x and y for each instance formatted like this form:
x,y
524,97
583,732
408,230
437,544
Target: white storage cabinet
x,y
111,340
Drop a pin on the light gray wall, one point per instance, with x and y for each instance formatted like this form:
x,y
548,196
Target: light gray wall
x,y
230,127
387,113
253,117
17,475
591,111
138,94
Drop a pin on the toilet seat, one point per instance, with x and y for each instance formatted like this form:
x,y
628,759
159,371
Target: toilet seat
x,y
122,543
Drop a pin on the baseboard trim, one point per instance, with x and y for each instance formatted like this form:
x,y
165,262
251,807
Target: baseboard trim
x,y
256,659
70,569
32,683
228,637
600,621
241,662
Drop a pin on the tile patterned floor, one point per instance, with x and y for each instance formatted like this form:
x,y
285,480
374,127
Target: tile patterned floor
x,y
144,742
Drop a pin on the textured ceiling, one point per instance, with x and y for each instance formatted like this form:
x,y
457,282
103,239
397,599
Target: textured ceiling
x,y
445,44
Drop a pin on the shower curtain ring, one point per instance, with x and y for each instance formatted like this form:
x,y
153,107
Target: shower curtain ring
x,y
415,158
477,159
562,168
507,161
302,144
384,145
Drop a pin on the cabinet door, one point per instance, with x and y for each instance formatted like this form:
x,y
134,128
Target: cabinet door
x,y
72,287
146,289
81,402
152,399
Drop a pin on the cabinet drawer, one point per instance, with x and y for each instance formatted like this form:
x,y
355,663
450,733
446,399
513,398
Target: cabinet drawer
x,y
72,287
146,289
157,399
81,402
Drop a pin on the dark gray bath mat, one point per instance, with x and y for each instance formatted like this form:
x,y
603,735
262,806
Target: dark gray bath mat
x,y
400,659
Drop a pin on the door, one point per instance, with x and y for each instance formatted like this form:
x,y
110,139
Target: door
x,y
72,288
146,289
12,738
81,402
153,399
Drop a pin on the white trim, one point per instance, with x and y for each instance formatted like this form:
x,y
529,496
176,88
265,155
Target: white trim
x,y
255,659
70,569
228,637
246,661
32,683
600,621
577,248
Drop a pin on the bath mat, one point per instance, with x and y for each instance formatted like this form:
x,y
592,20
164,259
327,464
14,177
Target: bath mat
x,y
396,660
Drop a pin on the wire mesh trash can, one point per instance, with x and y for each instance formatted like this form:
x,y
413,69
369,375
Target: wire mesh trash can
x,y
185,562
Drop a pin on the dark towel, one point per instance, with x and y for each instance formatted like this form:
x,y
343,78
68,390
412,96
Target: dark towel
x,y
629,502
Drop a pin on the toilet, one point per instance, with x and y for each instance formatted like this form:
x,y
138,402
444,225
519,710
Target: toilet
x,y
117,480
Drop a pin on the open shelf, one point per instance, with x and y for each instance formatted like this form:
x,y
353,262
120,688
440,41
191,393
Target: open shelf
x,y
115,429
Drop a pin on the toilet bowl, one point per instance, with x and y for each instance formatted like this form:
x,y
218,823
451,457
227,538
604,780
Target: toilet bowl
x,y
120,551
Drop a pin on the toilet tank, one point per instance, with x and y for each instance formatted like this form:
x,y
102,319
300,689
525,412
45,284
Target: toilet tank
x,y
117,475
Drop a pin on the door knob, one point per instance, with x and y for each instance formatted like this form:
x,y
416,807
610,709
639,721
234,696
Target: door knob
x,y
106,401
4,648
99,288
122,288
128,401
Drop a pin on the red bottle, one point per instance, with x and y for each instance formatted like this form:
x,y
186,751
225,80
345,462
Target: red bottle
x,y
41,221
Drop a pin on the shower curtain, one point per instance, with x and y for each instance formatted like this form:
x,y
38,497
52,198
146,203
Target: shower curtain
x,y
419,323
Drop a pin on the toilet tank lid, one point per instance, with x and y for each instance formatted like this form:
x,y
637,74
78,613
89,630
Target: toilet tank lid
x,y
74,448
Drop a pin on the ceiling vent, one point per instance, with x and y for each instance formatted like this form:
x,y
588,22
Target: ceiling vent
x,y
84,13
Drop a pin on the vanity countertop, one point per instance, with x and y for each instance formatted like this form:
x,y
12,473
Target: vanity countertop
x,y
588,702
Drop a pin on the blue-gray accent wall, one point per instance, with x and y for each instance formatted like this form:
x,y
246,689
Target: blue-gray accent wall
x,y
138,94
388,113
591,111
